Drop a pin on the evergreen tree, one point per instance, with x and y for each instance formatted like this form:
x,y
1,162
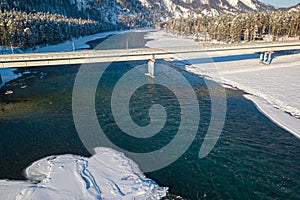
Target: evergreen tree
x,y
244,26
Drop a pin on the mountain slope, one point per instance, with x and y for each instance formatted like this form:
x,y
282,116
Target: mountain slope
x,y
180,8
133,13
107,11
295,8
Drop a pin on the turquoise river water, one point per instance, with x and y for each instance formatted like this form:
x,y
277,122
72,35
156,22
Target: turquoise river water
x,y
253,159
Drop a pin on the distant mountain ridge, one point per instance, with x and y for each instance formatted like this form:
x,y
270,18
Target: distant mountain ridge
x,y
136,12
208,7
295,8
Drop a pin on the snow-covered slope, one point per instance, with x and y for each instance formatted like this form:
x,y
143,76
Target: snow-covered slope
x,y
295,8
139,12
207,7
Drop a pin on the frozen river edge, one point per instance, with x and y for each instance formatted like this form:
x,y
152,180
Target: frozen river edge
x,y
285,120
274,89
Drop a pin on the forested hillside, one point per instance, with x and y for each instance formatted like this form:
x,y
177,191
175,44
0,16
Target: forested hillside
x,y
23,29
26,23
107,11
239,27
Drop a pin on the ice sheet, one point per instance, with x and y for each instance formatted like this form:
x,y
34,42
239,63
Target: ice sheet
x,y
106,175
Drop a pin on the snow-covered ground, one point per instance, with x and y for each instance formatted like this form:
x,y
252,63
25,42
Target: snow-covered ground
x,y
106,175
274,89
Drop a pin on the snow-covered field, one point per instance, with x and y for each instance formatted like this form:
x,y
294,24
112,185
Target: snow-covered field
x,y
106,175
274,89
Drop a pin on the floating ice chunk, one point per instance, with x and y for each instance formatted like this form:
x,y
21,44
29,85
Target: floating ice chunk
x,y
8,92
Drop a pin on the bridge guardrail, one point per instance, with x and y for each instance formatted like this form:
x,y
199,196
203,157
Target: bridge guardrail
x,y
41,59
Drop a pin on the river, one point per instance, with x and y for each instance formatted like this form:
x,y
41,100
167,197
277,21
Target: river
x,y
253,158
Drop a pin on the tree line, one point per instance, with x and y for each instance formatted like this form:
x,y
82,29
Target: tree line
x,y
21,29
28,23
238,27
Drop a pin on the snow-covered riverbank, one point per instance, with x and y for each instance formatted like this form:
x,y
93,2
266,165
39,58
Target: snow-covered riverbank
x,y
106,175
8,75
275,88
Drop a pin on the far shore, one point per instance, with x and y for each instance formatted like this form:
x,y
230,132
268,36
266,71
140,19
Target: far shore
x,y
274,89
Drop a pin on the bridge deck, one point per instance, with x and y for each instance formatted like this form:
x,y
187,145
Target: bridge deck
x,y
66,58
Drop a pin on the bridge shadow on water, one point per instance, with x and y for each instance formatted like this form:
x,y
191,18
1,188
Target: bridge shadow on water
x,y
224,58
238,57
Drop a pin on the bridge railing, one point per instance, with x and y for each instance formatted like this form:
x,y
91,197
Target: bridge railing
x,y
63,58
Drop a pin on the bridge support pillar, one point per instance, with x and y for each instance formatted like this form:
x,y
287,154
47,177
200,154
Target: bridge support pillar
x,y
151,65
73,44
261,56
269,58
1,82
266,57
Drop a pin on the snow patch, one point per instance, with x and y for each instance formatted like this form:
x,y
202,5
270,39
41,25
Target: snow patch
x,y
248,3
145,3
161,39
286,121
7,75
234,3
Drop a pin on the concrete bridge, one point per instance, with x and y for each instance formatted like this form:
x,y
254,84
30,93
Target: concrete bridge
x,y
97,56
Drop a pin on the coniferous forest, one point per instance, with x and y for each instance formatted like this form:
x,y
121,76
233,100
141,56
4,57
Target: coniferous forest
x,y
21,29
30,23
229,28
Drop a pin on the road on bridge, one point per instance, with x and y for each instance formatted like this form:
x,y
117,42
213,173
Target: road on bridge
x,y
98,56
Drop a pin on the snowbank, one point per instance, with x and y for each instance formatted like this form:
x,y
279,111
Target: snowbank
x,y
277,85
287,122
8,75
161,39
106,175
